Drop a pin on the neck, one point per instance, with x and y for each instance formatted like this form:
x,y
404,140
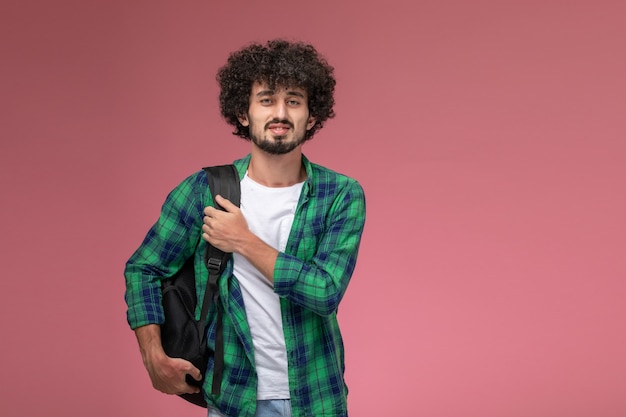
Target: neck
x,y
276,170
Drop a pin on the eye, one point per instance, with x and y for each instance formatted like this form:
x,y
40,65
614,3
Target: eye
x,y
293,102
265,101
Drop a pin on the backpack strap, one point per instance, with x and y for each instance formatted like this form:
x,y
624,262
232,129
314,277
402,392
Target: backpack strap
x,y
223,180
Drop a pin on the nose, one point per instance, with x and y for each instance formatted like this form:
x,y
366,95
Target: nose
x,y
280,110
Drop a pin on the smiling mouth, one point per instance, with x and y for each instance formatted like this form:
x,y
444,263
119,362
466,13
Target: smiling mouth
x,y
278,127
279,130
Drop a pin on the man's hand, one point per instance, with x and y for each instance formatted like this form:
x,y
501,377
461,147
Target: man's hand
x,y
167,374
229,231
226,230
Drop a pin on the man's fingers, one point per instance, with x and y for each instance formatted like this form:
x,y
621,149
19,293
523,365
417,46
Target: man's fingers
x,y
208,211
189,369
225,203
195,373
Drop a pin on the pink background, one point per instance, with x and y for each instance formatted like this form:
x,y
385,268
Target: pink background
x,y
488,135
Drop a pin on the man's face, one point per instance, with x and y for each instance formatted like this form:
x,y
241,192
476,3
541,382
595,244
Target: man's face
x,y
277,118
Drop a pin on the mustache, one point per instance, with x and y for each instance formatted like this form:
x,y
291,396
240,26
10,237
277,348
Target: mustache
x,y
278,121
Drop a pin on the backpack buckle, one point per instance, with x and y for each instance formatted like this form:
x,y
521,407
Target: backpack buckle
x,y
214,265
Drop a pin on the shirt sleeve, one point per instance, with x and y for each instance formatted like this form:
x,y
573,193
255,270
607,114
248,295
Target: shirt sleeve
x,y
319,284
168,243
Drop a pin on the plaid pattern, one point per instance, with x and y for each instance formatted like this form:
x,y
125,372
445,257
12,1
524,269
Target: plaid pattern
x,y
311,277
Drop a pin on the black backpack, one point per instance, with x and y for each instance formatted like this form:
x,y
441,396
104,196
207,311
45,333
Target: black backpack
x,y
182,336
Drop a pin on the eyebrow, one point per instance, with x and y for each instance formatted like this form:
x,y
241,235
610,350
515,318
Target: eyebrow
x,y
263,93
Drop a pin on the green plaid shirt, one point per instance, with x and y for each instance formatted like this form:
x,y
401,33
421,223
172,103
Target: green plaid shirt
x,y
310,276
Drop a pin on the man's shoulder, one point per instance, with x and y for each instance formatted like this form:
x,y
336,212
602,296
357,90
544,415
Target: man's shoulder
x,y
329,185
194,181
324,175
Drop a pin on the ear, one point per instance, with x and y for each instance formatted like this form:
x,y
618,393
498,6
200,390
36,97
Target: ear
x,y
243,119
311,123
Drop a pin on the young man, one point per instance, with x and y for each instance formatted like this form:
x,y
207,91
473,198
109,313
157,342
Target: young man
x,y
294,241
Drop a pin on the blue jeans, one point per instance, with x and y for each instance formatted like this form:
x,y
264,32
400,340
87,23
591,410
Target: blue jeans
x,y
264,408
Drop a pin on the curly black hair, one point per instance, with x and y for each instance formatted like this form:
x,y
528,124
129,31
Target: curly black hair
x,y
279,63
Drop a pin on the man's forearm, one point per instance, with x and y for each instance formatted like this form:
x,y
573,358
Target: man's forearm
x,y
167,374
259,254
149,339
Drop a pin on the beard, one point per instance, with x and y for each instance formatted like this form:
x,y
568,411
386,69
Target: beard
x,y
279,145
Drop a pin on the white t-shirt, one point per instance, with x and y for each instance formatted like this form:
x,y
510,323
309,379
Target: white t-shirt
x,y
269,212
